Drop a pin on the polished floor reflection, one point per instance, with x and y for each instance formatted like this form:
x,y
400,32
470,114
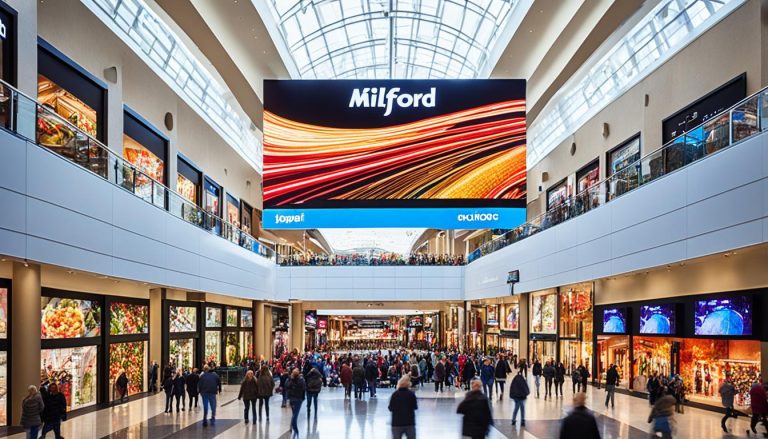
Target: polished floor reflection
x,y
339,418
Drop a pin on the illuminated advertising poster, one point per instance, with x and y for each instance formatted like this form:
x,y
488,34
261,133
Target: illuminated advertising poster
x,y
131,358
69,318
128,318
74,370
182,318
451,152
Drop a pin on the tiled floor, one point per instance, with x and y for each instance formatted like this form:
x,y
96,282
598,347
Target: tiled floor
x,y
337,418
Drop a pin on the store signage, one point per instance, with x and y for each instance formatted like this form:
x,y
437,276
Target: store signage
x,y
509,334
372,324
383,98
513,277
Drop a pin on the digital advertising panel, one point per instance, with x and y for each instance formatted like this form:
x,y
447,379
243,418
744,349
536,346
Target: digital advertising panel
x,y
447,154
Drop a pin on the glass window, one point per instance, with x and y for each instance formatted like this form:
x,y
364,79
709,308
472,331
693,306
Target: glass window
x,y
66,105
511,317
69,318
128,318
182,353
246,344
3,313
212,347
74,370
231,348
150,166
186,188
182,318
246,318
130,358
557,194
3,388
232,317
543,309
212,317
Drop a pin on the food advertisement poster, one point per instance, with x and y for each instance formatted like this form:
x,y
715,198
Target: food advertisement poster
x,y
132,359
544,313
182,318
69,318
231,348
128,318
3,315
232,317
212,317
246,318
212,346
74,370
182,352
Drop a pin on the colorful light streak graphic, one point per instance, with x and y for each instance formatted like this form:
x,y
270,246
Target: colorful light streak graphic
x,y
478,153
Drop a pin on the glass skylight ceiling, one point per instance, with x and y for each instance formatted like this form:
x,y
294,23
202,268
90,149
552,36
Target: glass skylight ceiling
x,y
669,27
387,240
380,39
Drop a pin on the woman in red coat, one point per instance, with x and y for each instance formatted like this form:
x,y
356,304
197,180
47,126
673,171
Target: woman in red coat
x,y
346,380
759,400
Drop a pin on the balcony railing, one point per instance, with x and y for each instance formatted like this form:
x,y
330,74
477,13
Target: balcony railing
x,y
31,120
745,119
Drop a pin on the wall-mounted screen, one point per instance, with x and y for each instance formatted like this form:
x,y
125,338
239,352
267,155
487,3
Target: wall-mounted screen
x,y
415,322
450,151
182,318
69,318
724,316
658,319
614,321
310,319
128,318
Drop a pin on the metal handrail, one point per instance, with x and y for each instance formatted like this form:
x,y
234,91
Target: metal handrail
x,y
599,193
106,159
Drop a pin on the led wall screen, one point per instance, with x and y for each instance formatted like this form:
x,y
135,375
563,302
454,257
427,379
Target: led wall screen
x,y
452,152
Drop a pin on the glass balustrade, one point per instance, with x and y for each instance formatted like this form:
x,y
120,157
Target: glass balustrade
x,y
36,123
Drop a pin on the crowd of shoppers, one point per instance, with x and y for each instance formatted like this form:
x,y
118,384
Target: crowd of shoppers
x,y
386,259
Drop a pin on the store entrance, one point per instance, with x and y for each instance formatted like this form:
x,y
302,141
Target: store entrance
x,y
613,350
543,350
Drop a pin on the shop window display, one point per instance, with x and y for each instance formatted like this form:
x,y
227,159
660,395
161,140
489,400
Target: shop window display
x,y
182,352
74,370
3,388
150,166
212,317
231,344
576,326
232,317
613,350
246,318
246,344
182,318
128,318
703,365
543,313
557,194
212,347
69,318
68,106
3,313
511,317
619,161
212,204
130,357
186,188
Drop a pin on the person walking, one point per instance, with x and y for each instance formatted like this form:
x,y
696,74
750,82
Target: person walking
x,y
468,373
501,372
576,377
662,416
248,392
549,378
154,370
358,380
168,389
611,381
477,412
193,379
55,410
121,385
297,389
439,375
652,386
209,385
759,399
559,378
584,374
487,376
727,393
32,407
265,388
519,391
178,390
580,423
346,380
371,376
536,371
284,377
403,406
314,386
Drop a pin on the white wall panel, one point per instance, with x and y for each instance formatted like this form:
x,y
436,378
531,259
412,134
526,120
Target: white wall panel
x,y
13,166
14,211
68,227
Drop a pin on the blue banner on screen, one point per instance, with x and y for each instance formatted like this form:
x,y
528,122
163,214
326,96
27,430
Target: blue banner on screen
x,y
442,218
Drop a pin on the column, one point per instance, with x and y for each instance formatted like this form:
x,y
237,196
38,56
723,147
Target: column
x,y
266,325
259,348
156,328
524,322
25,335
296,333
461,336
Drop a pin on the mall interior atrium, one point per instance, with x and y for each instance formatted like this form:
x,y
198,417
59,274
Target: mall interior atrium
x,y
383,218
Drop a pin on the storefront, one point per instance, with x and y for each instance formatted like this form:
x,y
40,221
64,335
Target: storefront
x,y
543,325
233,217
509,334
310,328
189,184
492,329
228,335
146,148
128,342
475,324
451,335
703,338
212,204
619,159
71,345
557,194
432,330
576,326
279,331
181,334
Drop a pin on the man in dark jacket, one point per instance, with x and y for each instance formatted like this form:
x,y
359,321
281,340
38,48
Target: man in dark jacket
x,y
371,376
358,380
501,372
55,410
439,375
192,380
584,373
549,378
487,376
519,391
154,370
611,381
468,373
209,385
536,371
314,386
477,413
296,388
580,423
559,378
403,406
